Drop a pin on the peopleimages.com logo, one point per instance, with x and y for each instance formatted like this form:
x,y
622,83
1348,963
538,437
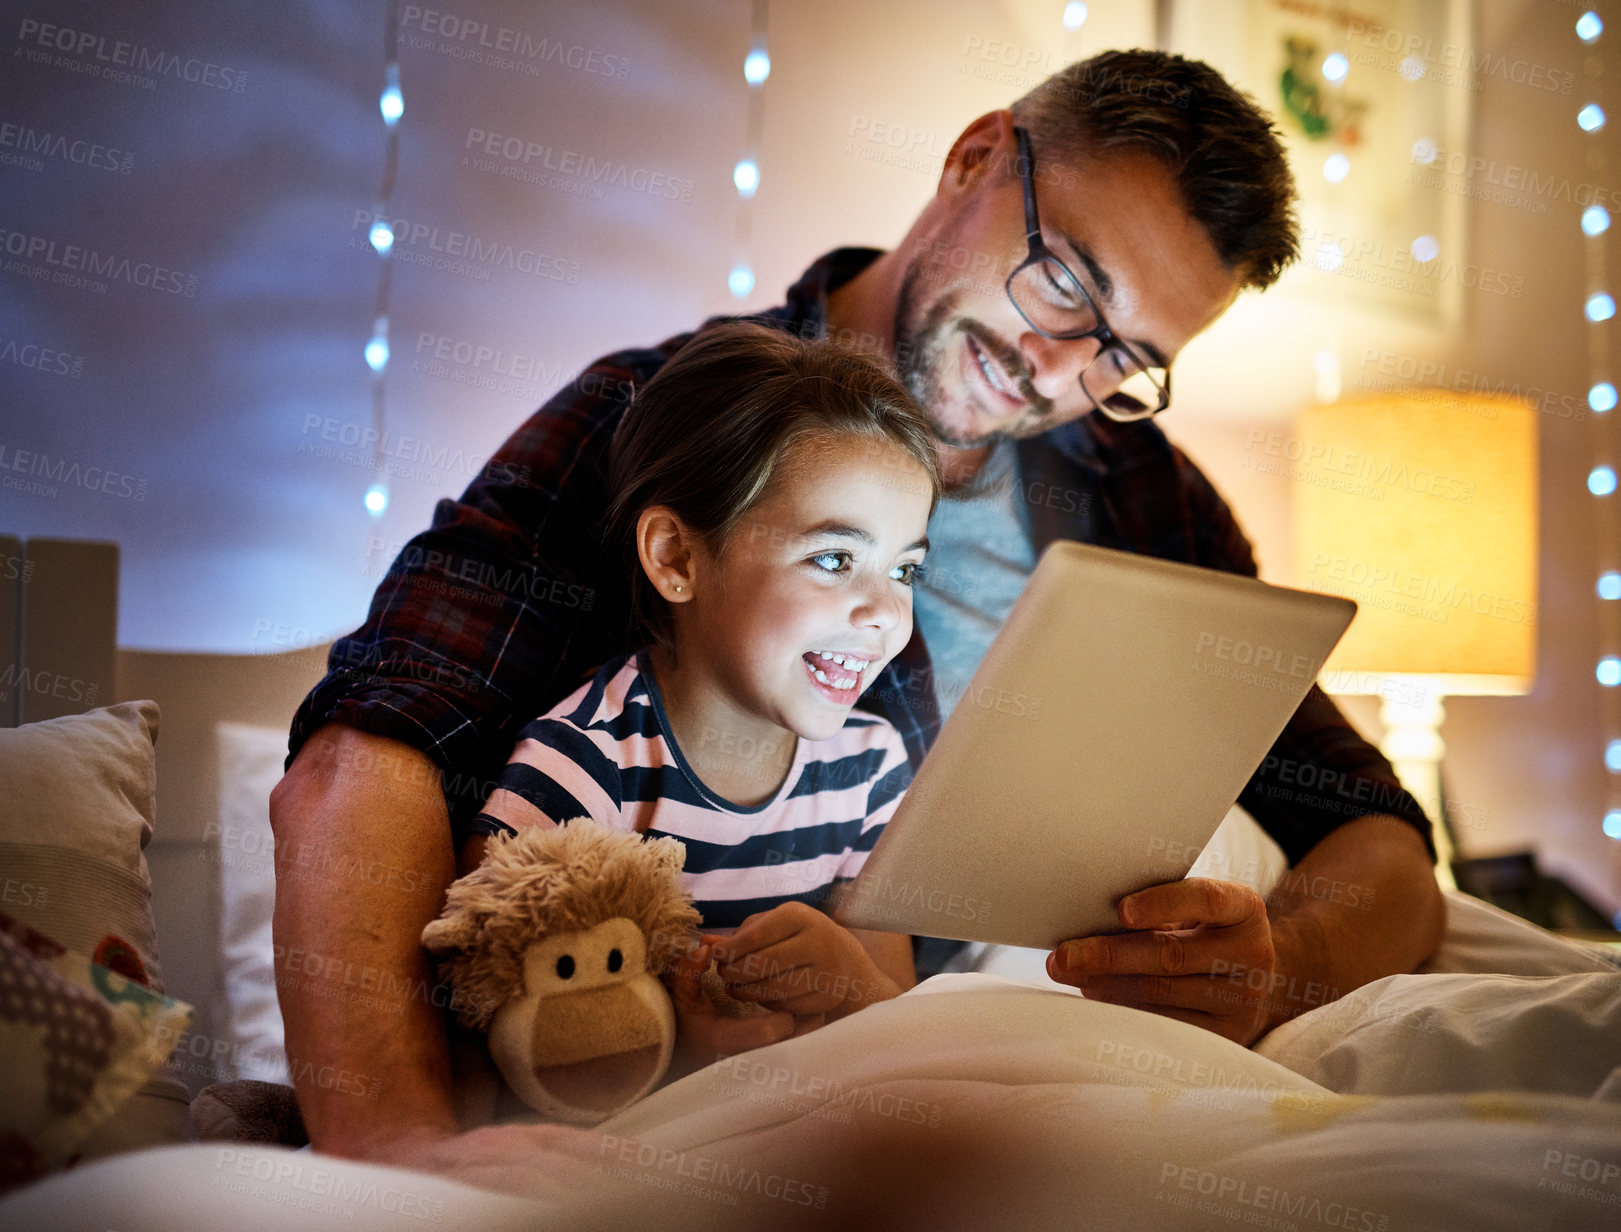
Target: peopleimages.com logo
x,y
504,47
116,59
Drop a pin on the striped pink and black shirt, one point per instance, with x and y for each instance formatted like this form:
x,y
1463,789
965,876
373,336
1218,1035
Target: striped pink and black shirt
x,y
607,752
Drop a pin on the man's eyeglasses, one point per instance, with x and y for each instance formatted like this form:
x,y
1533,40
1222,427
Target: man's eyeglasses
x,y
1121,382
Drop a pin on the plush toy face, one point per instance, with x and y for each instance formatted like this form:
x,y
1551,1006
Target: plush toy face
x,y
546,946
592,1031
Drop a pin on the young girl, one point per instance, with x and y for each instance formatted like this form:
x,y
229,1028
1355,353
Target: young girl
x,y
771,497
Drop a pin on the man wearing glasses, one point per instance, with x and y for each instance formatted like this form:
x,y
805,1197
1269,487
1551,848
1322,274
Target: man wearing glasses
x,y
1037,340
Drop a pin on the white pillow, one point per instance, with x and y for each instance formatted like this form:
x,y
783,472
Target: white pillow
x,y
1424,1034
250,760
1484,940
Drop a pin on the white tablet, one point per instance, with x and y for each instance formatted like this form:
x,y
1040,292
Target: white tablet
x,y
1109,728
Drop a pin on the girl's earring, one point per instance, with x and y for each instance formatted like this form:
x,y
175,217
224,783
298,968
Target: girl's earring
x,y
678,590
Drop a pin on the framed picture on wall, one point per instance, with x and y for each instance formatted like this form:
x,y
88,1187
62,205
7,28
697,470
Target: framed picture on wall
x,y
1373,100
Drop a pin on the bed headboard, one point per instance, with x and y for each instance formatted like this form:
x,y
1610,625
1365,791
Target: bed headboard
x,y
58,627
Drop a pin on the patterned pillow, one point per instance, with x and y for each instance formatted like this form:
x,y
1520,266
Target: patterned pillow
x,y
76,813
77,1040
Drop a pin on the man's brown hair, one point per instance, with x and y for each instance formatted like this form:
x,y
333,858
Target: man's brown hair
x,y
1215,140
706,435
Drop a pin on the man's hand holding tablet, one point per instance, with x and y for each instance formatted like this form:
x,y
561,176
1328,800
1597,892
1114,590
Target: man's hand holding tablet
x,y
1218,955
1188,939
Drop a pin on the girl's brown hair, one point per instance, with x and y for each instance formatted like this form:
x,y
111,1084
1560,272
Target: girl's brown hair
x,y
705,436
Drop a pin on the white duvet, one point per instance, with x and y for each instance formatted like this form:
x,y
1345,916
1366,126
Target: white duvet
x,y
1435,1101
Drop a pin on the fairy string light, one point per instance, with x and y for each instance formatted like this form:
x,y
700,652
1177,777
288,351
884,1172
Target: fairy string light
x,y
746,174
1599,309
392,105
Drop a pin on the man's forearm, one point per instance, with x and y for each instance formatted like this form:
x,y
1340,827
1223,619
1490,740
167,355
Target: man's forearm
x,y
1361,905
363,857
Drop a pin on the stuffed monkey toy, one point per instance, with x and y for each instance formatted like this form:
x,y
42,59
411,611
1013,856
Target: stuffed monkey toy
x,y
553,945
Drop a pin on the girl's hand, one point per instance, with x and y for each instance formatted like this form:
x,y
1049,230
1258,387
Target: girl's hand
x,y
794,958
702,1036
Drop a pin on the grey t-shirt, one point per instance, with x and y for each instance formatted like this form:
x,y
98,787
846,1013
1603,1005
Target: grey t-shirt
x,y
980,557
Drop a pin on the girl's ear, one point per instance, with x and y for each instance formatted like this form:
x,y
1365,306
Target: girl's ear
x,y
667,549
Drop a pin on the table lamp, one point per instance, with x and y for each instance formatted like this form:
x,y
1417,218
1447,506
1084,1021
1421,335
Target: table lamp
x,y
1421,505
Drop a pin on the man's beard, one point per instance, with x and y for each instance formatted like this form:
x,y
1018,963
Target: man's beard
x,y
920,353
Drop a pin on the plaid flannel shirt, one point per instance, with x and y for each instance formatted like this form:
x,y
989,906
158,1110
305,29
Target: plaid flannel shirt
x,y
509,601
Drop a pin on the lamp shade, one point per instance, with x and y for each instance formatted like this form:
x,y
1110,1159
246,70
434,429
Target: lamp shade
x,y
1421,505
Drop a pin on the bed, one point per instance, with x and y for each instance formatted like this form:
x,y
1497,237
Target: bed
x,y
1482,1092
